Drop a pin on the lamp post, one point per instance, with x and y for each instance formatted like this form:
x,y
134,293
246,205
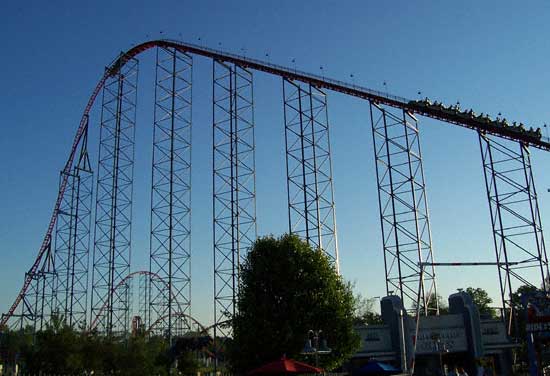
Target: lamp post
x,y
316,349
441,348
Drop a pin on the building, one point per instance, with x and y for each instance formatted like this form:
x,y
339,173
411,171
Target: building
x,y
461,338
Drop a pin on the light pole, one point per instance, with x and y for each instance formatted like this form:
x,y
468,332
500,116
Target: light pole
x,y
441,348
404,363
316,349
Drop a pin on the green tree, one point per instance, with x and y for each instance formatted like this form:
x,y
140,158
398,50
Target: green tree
x,y
364,311
519,311
482,300
13,343
92,346
142,356
57,349
287,289
188,363
442,304
516,297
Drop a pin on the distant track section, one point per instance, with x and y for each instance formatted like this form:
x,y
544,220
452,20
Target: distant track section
x,y
439,112
435,111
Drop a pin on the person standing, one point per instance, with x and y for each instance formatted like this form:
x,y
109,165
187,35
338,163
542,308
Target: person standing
x,y
480,371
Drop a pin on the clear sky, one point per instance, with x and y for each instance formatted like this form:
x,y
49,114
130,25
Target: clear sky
x,y
492,56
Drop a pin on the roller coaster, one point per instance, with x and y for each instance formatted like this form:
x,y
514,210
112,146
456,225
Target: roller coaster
x,y
59,278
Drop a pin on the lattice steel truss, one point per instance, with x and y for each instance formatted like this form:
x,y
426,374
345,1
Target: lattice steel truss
x,y
311,211
72,242
38,302
143,299
170,248
403,205
234,187
111,262
515,218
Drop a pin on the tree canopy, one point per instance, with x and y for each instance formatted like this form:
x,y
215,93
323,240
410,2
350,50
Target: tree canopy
x,y
364,311
482,300
58,349
287,289
436,301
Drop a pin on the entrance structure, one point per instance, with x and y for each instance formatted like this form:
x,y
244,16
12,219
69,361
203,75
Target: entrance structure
x,y
461,338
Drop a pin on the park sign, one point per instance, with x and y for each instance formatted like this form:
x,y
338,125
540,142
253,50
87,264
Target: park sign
x,y
537,311
440,334
537,325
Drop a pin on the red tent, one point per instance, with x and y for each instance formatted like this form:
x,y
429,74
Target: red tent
x,y
285,365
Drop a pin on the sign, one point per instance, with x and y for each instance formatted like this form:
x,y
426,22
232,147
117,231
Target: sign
x,y
493,332
537,308
537,317
374,338
441,334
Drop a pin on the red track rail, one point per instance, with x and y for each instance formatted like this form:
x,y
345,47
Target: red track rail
x,y
122,281
178,314
291,74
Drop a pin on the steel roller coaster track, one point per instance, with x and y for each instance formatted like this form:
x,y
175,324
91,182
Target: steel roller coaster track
x,y
377,97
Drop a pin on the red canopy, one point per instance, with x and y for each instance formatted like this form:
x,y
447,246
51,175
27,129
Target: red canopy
x,y
285,365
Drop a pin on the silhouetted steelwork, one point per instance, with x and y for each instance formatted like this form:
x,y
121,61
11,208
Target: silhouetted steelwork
x,y
143,299
323,82
113,215
30,315
38,302
170,248
122,288
59,286
515,219
72,242
403,208
311,212
234,187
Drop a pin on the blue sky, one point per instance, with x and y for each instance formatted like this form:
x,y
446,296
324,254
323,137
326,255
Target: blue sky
x,y
492,56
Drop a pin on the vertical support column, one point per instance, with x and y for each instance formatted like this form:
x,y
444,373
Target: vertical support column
x,y
29,309
113,222
64,246
128,290
403,205
47,277
170,247
143,299
311,210
515,218
234,186
72,240
39,300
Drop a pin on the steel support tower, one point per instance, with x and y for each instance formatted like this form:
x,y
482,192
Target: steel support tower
x,y
72,241
38,302
59,286
402,197
143,299
404,219
515,219
113,212
234,186
311,210
170,248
